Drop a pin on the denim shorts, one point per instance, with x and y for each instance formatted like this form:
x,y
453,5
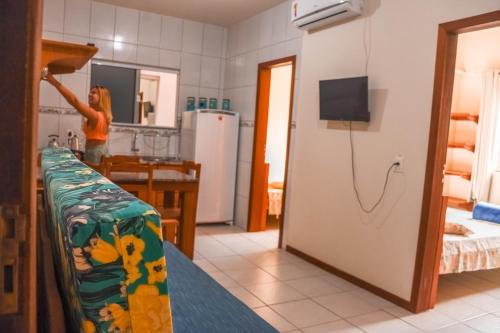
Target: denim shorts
x,y
95,153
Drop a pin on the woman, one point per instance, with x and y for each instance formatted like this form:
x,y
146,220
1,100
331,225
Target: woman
x,y
97,117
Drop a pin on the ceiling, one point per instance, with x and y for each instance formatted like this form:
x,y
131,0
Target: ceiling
x,y
219,12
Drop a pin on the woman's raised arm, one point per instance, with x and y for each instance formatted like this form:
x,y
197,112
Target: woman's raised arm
x,y
70,97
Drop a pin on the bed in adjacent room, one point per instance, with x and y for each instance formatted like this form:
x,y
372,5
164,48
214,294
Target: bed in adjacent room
x,y
275,196
477,251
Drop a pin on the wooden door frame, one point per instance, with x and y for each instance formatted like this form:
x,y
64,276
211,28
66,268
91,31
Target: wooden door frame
x,y
260,137
20,23
426,276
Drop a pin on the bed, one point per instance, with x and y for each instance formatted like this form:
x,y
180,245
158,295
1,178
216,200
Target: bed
x,y
478,251
275,196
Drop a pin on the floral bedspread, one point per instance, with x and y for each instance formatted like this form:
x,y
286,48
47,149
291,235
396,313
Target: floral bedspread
x,y
107,248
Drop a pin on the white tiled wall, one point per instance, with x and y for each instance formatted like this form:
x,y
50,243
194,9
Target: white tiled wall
x,y
121,142
102,21
149,29
171,34
264,37
192,37
127,21
127,35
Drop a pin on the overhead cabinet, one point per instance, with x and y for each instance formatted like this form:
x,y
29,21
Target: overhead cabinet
x,y
65,58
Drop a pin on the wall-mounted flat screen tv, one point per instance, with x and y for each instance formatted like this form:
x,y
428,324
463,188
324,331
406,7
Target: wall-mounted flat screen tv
x,y
344,99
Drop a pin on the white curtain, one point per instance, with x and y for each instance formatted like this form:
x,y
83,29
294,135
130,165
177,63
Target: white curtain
x,y
487,154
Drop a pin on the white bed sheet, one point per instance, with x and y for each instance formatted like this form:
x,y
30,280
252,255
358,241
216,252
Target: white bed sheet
x,y
478,251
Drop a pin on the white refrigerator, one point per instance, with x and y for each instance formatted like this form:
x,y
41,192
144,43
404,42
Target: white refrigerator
x,y
210,137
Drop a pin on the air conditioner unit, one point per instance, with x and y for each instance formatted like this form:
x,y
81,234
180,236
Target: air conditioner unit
x,y
312,14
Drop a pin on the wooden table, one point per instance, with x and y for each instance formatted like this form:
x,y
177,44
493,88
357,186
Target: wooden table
x,y
170,180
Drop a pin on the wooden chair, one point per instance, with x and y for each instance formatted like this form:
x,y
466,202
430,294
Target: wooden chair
x,y
169,220
168,198
169,227
97,167
188,167
170,166
111,160
121,159
171,199
142,191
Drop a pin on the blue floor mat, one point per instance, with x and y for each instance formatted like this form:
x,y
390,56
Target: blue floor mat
x,y
201,305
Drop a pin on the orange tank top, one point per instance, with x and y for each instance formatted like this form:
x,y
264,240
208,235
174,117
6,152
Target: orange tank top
x,y
99,132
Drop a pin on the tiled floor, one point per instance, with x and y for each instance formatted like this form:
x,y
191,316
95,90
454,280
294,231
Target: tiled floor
x,y
295,296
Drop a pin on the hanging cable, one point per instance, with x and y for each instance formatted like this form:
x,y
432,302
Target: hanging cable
x,y
367,42
367,49
355,183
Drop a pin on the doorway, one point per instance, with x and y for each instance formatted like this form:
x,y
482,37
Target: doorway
x,y
273,122
426,278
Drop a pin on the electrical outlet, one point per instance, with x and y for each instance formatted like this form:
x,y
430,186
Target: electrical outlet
x,y
399,159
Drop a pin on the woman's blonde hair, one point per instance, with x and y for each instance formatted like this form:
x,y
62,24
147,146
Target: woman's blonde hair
x,y
104,104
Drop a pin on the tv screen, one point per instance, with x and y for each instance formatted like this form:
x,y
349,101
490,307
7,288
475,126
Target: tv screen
x,y
344,99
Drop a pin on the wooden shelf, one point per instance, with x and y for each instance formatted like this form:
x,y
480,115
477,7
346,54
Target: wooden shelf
x,y
468,146
465,117
464,174
65,58
460,203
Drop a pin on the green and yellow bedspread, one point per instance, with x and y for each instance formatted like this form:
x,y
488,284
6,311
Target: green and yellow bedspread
x,y
107,248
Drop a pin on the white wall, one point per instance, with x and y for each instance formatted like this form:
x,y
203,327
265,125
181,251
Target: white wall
x,y
136,37
264,37
324,219
277,126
